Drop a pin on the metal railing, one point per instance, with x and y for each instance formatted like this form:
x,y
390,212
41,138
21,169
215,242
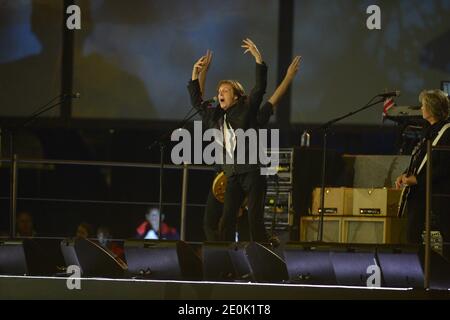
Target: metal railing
x,y
13,198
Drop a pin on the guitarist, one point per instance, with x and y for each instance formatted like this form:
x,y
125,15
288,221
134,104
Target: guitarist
x,y
435,110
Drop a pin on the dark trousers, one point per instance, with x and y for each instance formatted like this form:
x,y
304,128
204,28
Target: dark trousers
x,y
253,185
212,216
213,213
416,221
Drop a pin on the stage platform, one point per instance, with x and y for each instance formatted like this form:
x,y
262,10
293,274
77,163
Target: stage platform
x,y
27,287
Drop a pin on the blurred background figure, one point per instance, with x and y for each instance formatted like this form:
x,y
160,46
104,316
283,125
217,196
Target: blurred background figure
x,y
150,229
105,239
24,224
84,231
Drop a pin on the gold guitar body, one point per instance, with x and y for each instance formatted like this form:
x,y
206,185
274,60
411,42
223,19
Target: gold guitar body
x,y
218,188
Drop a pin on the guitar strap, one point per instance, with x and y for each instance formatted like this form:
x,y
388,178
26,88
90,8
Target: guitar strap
x,y
435,141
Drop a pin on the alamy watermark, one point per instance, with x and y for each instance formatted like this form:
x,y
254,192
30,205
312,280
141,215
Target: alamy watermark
x,y
373,22
374,279
213,153
74,20
74,280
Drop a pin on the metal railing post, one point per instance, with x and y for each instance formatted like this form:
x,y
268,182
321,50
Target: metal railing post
x,y
184,201
13,196
428,217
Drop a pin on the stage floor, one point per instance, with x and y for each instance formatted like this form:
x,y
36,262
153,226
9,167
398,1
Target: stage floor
x,y
28,287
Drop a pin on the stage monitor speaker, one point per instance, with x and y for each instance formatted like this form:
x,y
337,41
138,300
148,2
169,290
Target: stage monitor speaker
x,y
345,264
242,261
351,264
12,258
266,265
36,257
163,260
329,264
308,263
218,264
403,266
93,260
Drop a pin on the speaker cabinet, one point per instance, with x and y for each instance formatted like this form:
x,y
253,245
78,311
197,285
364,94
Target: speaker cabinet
x,y
343,264
12,258
309,264
374,230
352,229
376,201
401,266
164,260
93,260
225,261
337,201
350,264
36,257
242,261
332,227
332,264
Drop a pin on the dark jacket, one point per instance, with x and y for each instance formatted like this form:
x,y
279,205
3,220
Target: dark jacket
x,y
440,186
245,114
440,161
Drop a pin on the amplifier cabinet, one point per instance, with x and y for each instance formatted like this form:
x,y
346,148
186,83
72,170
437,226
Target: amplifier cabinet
x,y
376,202
338,201
332,226
374,230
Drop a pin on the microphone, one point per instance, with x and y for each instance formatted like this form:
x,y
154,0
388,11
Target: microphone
x,y
390,94
210,101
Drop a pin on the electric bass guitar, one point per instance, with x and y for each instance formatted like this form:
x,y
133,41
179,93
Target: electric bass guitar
x,y
412,171
218,188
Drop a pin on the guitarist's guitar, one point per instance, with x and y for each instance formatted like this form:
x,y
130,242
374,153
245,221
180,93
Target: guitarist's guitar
x,y
218,188
414,166
412,171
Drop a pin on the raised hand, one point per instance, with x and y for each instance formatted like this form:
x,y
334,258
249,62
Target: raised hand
x,y
249,46
208,60
204,70
198,67
294,66
284,85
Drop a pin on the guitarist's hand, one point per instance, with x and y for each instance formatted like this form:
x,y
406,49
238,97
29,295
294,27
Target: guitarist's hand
x,y
398,182
409,181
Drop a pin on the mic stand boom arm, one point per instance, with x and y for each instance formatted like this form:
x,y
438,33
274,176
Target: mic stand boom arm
x,y
162,141
325,128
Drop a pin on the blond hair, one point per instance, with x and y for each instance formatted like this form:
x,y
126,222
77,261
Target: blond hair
x,y
436,102
238,89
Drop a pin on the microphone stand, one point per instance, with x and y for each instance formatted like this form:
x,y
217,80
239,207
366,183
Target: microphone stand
x,y
13,159
161,141
325,128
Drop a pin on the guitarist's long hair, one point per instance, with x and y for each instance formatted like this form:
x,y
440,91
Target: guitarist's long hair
x,y
436,102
